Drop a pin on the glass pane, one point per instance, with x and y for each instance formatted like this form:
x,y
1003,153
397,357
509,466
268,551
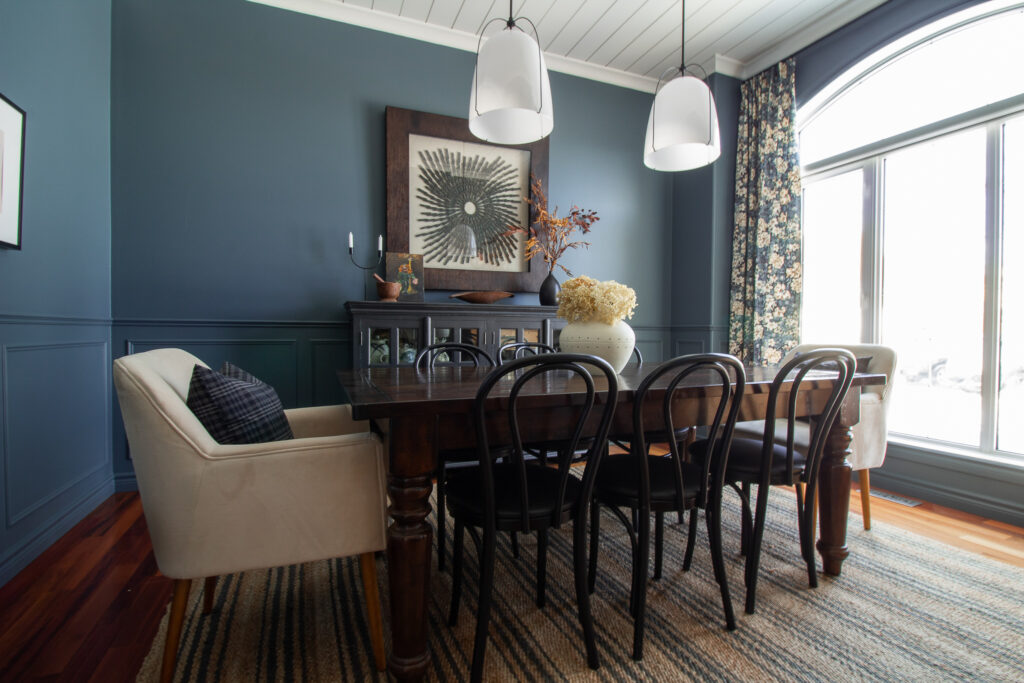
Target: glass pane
x,y
1010,432
929,83
470,335
832,225
380,346
408,344
442,334
531,336
508,335
934,285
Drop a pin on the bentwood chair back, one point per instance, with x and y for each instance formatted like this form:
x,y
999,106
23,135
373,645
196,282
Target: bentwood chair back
x,y
647,482
215,509
449,353
513,350
870,434
519,493
774,459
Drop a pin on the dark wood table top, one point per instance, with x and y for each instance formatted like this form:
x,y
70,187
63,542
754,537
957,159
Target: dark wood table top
x,y
385,392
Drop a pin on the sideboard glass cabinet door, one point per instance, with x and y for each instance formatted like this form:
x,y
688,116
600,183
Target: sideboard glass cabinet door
x,y
391,334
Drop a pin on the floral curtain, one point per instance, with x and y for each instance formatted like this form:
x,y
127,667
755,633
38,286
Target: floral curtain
x,y
764,296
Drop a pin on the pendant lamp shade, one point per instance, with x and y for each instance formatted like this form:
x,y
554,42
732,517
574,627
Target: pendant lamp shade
x,y
510,101
682,130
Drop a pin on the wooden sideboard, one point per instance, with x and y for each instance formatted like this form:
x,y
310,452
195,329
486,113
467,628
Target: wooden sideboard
x,y
390,334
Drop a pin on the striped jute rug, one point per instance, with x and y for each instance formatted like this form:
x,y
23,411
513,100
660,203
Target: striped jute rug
x,y
905,608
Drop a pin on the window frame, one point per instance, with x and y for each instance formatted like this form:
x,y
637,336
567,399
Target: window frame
x,y
870,159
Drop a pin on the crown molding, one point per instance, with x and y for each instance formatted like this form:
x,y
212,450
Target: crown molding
x,y
335,10
813,30
727,66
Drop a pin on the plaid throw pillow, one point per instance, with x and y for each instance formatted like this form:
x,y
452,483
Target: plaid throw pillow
x,y
235,407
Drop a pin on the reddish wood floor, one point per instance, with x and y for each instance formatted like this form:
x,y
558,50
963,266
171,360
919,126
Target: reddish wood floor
x,y
88,608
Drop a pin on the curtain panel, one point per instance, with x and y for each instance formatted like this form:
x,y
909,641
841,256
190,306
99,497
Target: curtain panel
x,y
764,292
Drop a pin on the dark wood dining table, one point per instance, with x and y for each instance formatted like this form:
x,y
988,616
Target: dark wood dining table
x,y
428,411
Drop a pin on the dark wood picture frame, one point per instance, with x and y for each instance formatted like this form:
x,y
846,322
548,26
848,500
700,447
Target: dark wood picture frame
x,y
12,168
400,123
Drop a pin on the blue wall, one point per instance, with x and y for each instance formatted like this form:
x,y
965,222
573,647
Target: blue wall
x,y
248,141
55,293
702,218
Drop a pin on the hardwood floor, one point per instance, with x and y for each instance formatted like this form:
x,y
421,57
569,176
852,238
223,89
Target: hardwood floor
x,y
88,608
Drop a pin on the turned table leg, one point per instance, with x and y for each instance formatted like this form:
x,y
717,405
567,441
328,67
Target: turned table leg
x,y
412,464
834,486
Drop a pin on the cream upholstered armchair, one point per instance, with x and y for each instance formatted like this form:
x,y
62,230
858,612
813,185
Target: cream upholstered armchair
x,y
869,434
217,509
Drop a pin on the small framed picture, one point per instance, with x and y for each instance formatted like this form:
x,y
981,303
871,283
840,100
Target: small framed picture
x,y
12,165
407,271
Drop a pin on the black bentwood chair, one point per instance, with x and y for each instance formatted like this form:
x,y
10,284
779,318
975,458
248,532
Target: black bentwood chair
x,y
518,494
648,483
449,353
767,463
513,350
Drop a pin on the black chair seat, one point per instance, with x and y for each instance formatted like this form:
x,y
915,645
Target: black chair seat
x,y
464,500
619,480
745,460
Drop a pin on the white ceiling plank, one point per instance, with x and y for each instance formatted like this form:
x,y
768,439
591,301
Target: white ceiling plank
x,y
656,52
547,16
661,32
416,10
471,15
722,28
652,13
389,6
623,42
578,26
557,19
610,23
443,12
756,24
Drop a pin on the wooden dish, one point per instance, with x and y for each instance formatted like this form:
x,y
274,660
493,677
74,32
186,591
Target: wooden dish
x,y
485,297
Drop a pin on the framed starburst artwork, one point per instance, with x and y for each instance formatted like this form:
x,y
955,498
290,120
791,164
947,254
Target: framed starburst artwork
x,y
452,199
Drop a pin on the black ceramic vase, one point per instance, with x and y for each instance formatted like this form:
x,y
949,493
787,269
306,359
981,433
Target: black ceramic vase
x,y
549,290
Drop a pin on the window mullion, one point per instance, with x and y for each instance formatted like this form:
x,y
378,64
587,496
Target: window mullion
x,y
993,278
871,261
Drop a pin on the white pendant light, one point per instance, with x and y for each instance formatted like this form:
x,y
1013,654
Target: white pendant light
x,y
682,130
510,100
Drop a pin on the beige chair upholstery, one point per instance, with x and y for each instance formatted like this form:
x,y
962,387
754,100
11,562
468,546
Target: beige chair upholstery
x,y
218,509
869,435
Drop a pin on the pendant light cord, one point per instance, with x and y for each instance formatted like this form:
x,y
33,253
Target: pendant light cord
x,y
682,41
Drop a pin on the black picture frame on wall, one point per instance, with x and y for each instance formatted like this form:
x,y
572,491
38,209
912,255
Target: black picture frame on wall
x,y
453,141
12,171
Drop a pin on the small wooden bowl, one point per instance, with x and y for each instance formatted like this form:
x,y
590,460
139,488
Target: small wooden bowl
x,y
486,297
388,291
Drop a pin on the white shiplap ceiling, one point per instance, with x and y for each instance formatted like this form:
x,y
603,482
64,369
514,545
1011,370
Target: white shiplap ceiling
x,y
623,42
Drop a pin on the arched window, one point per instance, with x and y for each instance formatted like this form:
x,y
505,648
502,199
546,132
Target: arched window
x,y
913,173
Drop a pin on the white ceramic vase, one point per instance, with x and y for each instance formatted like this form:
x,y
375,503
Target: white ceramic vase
x,y
614,343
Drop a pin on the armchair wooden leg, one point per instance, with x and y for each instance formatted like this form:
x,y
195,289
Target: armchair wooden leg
x,y
178,604
865,497
368,568
209,589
